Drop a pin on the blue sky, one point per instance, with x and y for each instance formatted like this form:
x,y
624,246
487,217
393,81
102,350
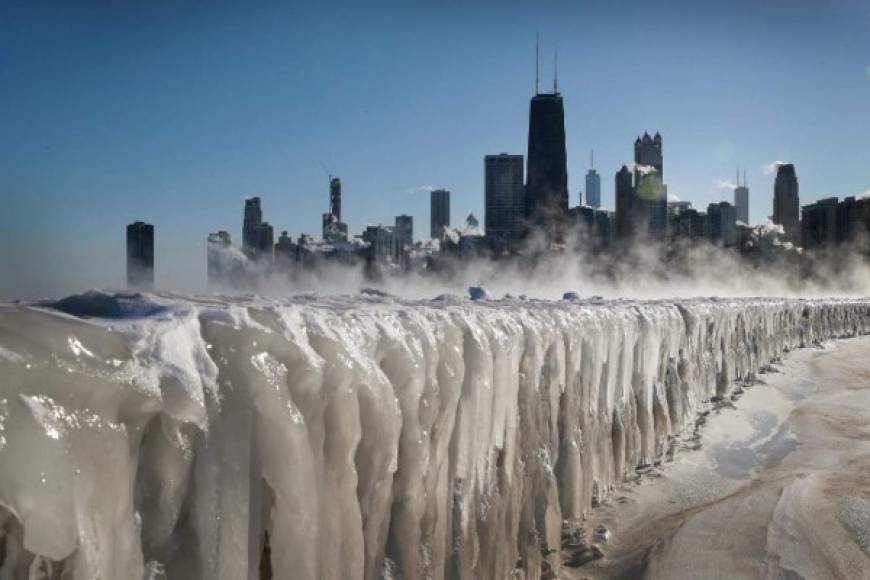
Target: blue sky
x,y
174,112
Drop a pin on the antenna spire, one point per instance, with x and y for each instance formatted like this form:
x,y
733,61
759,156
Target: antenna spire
x,y
738,177
537,63
555,71
744,177
592,159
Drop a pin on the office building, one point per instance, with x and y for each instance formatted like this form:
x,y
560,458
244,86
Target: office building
x,y
722,224
547,163
440,213
504,197
741,199
593,184
140,256
218,258
819,224
650,191
786,202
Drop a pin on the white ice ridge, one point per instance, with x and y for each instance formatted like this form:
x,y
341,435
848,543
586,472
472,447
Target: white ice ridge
x,y
349,438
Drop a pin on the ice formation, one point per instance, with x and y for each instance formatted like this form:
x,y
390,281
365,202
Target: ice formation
x,y
349,438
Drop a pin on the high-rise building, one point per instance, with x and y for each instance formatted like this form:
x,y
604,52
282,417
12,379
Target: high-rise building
x,y
218,262
741,199
335,198
547,170
650,190
786,202
382,243
627,206
440,213
722,224
504,196
140,256
819,224
251,225
257,236
404,234
593,184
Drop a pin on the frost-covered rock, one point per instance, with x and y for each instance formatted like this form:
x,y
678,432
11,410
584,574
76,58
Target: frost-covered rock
x,y
431,439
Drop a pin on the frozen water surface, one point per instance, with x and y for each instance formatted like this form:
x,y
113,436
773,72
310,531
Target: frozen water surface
x,y
146,436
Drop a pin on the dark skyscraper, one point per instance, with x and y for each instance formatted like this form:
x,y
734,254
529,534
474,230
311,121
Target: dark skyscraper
x,y
649,184
819,227
504,196
440,213
786,203
257,236
547,171
218,259
404,232
593,184
251,224
741,199
140,256
626,206
335,198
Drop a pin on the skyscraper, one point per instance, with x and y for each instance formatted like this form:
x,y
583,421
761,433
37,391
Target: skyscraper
x,y
819,225
626,208
649,184
722,220
334,230
257,236
404,233
251,224
335,198
504,196
547,171
440,213
593,184
217,257
741,199
786,202
140,256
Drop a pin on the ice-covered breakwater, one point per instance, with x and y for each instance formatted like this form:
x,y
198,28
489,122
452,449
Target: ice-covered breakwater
x,y
348,438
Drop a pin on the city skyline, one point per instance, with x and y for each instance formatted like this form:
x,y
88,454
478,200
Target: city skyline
x,y
54,197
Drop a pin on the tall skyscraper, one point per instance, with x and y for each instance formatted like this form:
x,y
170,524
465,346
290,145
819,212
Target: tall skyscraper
x,y
504,196
593,184
741,199
251,224
649,184
786,202
626,206
334,230
140,256
722,219
547,171
819,227
257,236
217,257
335,198
440,213
404,233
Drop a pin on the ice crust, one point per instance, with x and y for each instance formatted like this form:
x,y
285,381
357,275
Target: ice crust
x,y
365,437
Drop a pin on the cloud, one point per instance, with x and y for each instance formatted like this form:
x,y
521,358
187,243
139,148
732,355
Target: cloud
x,y
771,167
724,184
673,198
422,189
863,195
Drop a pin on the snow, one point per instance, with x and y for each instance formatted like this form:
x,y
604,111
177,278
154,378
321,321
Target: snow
x,y
367,435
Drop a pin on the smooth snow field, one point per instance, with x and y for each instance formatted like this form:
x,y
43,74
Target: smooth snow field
x,y
368,437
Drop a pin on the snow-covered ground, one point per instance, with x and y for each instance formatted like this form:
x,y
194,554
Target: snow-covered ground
x,y
777,485
357,437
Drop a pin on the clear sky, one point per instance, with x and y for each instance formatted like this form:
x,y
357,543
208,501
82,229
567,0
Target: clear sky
x,y
174,112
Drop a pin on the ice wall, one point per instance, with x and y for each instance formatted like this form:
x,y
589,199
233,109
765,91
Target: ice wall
x,y
151,437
